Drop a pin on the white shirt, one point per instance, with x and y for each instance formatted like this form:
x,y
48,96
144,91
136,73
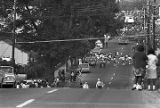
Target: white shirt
x,y
99,83
80,61
85,86
152,61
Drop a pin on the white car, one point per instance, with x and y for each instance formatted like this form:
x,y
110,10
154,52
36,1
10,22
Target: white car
x,y
129,19
84,67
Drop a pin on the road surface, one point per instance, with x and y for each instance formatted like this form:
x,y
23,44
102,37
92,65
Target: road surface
x,y
77,98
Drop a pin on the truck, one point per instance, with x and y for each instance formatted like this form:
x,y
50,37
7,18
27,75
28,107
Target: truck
x,y
7,76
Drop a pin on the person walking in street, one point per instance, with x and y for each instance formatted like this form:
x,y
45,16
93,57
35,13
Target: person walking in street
x,y
99,84
139,66
151,69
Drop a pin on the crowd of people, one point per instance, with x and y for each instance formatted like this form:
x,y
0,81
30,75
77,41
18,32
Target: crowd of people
x,y
145,65
39,83
145,68
112,57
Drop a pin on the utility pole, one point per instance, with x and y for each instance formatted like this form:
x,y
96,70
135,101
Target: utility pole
x,y
14,34
154,25
148,44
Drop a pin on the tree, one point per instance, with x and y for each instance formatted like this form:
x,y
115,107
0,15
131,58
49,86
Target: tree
x,y
44,20
132,4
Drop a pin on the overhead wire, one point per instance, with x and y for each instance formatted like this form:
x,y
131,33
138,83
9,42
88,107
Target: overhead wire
x,y
63,40
80,39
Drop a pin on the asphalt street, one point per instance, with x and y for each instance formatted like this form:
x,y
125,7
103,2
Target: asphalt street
x,y
114,77
77,98
116,94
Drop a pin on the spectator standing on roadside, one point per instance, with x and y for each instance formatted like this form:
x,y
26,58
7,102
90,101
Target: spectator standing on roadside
x,y
63,75
151,69
139,65
72,76
56,82
158,64
17,85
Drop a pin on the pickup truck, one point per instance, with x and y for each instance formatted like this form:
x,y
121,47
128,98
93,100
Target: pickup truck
x,y
7,76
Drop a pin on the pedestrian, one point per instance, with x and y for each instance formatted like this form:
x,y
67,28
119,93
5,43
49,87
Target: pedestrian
x,y
151,74
80,73
72,76
158,64
99,84
139,65
85,85
17,85
81,84
57,81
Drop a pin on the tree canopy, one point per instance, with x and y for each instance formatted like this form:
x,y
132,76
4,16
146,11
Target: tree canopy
x,y
132,4
45,20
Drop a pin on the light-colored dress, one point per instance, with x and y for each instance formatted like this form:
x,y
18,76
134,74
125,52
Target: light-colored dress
x,y
151,72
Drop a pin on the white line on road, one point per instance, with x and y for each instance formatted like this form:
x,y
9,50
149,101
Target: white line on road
x,y
52,91
25,103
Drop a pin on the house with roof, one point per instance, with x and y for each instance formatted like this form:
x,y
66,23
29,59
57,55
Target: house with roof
x,y
21,58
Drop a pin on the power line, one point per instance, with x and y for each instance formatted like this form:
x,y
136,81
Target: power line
x,y
82,39
6,32
63,40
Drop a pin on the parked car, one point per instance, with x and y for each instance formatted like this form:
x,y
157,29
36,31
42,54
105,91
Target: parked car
x,y
84,67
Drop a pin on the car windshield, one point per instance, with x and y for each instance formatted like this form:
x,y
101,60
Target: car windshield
x,y
84,65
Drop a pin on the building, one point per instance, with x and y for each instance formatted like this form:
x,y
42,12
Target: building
x,y
21,57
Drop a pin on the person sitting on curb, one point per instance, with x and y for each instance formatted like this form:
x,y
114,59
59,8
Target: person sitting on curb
x,y
85,85
99,84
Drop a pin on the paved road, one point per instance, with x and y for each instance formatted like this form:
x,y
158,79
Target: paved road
x,y
77,98
117,93
115,77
